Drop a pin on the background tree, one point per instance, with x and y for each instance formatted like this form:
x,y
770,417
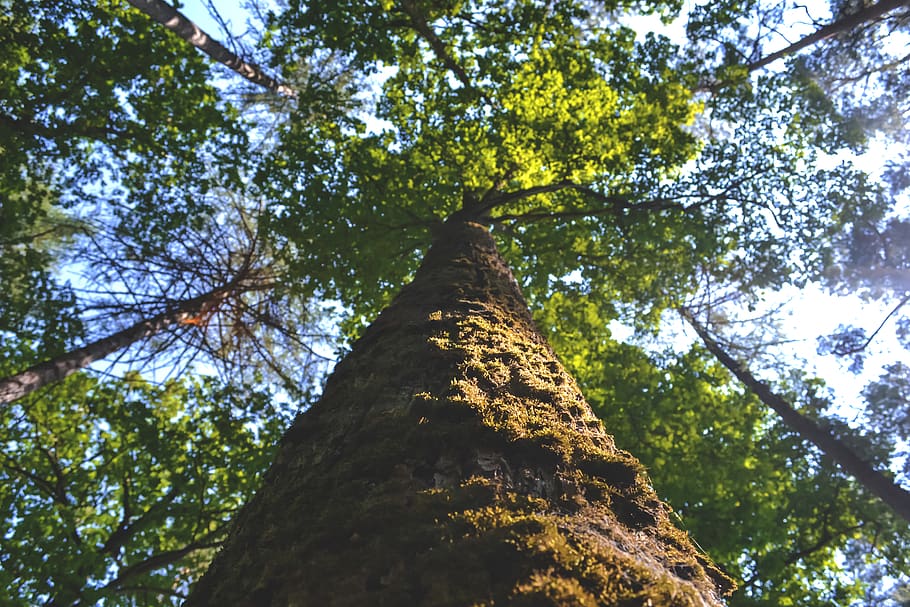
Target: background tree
x,y
175,21
215,293
873,480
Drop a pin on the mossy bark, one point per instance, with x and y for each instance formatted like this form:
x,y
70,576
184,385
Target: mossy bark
x,y
453,461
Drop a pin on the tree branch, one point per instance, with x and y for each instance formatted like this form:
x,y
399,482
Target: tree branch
x,y
794,557
895,496
847,351
65,130
42,484
126,529
616,203
175,21
162,559
832,29
420,25
20,384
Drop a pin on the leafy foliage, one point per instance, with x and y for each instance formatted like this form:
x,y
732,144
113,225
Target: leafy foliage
x,y
119,491
888,408
139,125
545,106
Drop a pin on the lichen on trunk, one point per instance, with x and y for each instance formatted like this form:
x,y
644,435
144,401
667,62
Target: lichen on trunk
x,y
453,461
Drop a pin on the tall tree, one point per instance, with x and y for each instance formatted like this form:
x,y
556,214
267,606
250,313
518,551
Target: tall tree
x,y
452,460
532,119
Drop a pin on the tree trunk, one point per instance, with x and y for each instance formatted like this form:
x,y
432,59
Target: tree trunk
x,y
175,21
874,481
832,29
37,376
453,461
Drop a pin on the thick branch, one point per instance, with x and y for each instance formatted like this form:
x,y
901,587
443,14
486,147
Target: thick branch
x,y
16,386
128,528
42,484
60,494
797,555
615,203
420,25
175,21
832,29
63,130
163,559
873,480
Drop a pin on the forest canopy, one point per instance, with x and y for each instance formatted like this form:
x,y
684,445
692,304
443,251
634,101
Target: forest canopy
x,y
191,236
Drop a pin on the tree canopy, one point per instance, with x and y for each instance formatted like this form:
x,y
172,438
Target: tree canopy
x,y
624,173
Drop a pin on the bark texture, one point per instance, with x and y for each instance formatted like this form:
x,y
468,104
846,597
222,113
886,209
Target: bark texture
x,y
897,498
453,461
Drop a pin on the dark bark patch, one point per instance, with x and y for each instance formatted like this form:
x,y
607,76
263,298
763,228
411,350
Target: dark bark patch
x,y
617,472
261,596
633,515
523,387
538,451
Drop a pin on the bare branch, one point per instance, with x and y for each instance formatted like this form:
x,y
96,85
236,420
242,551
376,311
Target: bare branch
x,y
175,21
845,351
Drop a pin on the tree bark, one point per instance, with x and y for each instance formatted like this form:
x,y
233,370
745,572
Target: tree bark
x,y
877,483
453,461
832,29
37,376
175,21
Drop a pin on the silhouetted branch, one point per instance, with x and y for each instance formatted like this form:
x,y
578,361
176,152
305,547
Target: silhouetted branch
x,y
877,483
846,351
175,21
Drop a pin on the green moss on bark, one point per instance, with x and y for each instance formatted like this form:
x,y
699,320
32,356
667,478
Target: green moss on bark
x,y
453,461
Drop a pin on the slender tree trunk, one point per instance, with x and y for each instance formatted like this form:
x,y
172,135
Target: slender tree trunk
x,y
175,21
877,483
453,461
832,29
40,375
